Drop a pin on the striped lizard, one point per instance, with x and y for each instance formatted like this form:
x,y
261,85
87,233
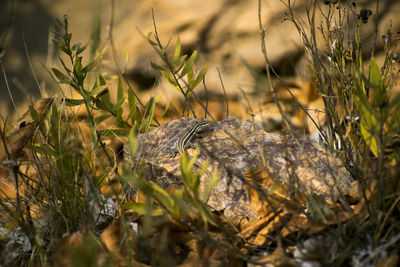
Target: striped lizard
x,y
184,141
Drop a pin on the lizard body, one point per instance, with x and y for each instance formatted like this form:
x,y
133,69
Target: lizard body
x,y
184,142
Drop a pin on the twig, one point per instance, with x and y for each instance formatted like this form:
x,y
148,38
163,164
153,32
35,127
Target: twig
x,y
223,88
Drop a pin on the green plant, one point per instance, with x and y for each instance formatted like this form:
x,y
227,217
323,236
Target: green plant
x,y
361,112
179,71
182,202
63,194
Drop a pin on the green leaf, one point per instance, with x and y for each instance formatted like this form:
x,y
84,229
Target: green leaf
x,y
102,178
81,49
205,213
210,186
136,117
189,64
169,41
189,177
100,94
368,123
120,120
43,149
148,115
170,79
177,52
375,75
156,67
274,187
158,98
126,58
89,67
162,114
151,189
133,109
120,100
75,86
166,200
101,118
133,143
102,89
102,81
149,35
73,102
199,77
142,209
369,139
117,107
60,76
380,95
80,75
54,127
62,47
105,98
76,46
180,64
190,76
34,114
120,91
163,51
78,65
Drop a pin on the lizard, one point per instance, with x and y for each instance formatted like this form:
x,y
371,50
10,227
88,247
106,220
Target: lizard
x,y
184,142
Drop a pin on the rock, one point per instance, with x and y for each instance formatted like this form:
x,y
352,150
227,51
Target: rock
x,y
233,147
17,248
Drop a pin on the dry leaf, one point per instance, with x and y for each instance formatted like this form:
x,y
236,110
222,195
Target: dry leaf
x,y
16,141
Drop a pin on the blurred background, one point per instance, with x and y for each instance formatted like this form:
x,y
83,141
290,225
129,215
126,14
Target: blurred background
x,y
225,32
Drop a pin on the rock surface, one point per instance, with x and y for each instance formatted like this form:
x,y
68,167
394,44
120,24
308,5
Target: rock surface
x,y
233,147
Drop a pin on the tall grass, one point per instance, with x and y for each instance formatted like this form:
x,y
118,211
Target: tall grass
x,y
362,112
